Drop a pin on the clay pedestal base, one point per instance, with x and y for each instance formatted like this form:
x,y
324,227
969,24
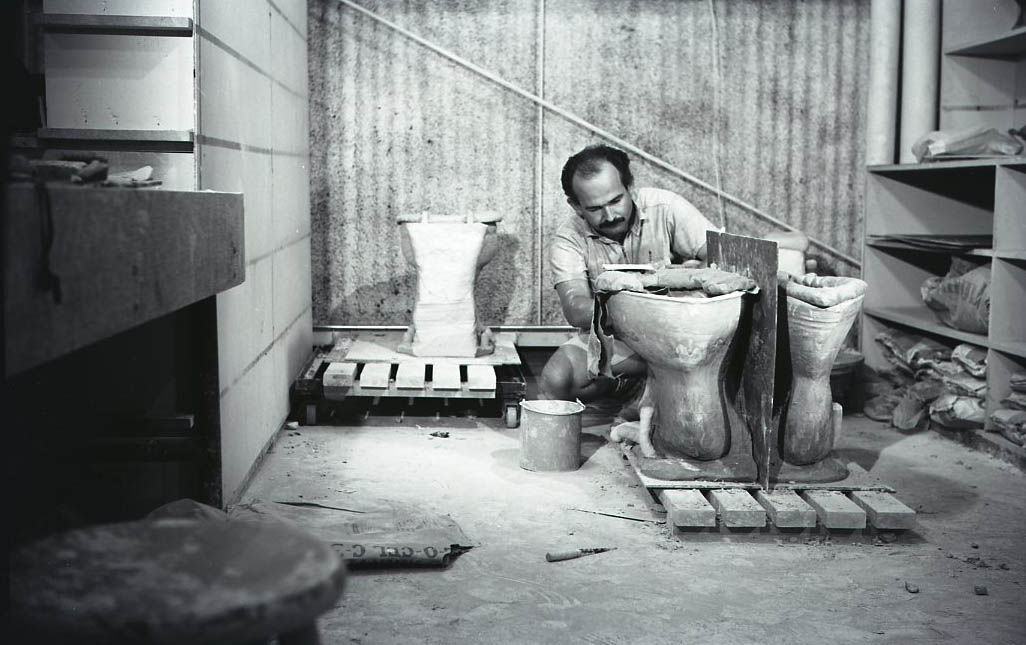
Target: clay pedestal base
x,y
826,470
735,467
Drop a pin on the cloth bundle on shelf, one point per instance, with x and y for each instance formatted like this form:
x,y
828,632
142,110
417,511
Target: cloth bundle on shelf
x,y
931,382
961,299
1010,418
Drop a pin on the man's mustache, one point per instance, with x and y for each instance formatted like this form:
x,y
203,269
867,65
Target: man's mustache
x,y
612,223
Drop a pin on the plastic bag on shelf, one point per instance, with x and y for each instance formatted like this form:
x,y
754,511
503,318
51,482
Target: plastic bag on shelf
x,y
967,142
908,352
966,385
1015,401
961,299
1017,381
1011,424
958,412
973,359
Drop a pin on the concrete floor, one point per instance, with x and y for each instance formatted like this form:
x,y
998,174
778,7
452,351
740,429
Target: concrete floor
x,y
656,588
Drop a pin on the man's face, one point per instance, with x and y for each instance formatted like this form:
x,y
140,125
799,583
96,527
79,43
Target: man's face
x,y
604,202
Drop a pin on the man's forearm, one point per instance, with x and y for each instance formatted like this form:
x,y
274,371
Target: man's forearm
x,y
577,302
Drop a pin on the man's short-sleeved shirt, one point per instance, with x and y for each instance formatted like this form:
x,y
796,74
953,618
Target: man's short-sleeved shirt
x,y
667,228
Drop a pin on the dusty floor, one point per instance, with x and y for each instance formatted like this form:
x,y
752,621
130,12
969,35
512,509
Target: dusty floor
x,y
655,588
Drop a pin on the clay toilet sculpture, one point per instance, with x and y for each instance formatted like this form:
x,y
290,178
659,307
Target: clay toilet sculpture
x,y
820,311
447,253
689,428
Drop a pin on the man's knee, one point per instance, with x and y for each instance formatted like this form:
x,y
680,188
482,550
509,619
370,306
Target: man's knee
x,y
556,377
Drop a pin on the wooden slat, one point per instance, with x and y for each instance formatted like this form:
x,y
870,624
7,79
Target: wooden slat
x,y
835,510
410,375
480,377
339,376
445,376
737,508
884,511
375,376
786,509
687,508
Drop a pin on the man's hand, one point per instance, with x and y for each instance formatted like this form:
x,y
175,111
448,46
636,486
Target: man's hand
x,y
577,301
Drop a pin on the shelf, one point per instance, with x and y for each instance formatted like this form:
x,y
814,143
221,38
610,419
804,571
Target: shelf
x,y
123,257
1010,44
911,247
946,165
153,140
1010,347
115,25
924,319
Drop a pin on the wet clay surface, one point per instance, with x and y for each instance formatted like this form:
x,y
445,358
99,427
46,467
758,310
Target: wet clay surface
x,y
655,588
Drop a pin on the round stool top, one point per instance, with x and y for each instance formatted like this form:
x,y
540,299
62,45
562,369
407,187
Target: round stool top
x,y
172,581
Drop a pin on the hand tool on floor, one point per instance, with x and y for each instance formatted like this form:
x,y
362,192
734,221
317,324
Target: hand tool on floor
x,y
576,553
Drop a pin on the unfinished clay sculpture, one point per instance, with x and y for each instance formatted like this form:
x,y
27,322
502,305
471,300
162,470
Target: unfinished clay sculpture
x,y
820,311
447,252
689,428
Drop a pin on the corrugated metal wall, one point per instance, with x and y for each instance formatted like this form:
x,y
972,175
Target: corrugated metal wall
x,y
766,98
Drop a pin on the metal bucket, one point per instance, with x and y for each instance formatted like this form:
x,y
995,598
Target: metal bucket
x,y
550,435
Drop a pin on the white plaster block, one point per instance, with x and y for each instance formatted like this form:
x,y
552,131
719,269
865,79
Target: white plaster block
x,y
249,173
249,417
291,199
291,283
290,114
177,8
288,65
119,82
296,346
235,100
296,11
243,25
244,322
257,191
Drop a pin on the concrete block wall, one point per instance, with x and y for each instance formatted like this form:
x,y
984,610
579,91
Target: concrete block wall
x,y
252,137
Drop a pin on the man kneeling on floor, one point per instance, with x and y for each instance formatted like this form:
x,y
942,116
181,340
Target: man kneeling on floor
x,y
613,223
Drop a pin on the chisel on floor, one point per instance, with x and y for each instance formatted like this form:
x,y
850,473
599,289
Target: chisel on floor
x,y
576,553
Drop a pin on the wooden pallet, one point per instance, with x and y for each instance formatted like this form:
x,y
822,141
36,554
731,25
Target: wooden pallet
x,y
368,365
858,503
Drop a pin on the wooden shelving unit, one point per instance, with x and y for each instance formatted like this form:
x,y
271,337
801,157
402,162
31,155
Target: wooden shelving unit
x,y
970,198
983,83
114,85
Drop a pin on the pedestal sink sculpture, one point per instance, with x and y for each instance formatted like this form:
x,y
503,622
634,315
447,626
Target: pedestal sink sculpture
x,y
689,427
820,311
447,252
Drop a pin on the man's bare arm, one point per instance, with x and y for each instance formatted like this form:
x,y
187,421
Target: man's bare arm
x,y
577,301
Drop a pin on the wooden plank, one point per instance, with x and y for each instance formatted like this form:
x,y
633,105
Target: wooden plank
x,y
152,263
756,259
380,347
835,510
786,509
480,377
884,511
410,375
375,376
737,508
339,376
687,508
445,376
121,25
